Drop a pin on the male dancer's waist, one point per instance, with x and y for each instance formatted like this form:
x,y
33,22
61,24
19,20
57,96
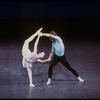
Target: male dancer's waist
x,y
59,56
59,53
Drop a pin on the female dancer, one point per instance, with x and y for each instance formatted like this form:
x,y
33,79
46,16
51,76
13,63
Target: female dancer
x,y
29,57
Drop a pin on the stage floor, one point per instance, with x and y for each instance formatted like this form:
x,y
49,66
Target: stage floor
x,y
84,57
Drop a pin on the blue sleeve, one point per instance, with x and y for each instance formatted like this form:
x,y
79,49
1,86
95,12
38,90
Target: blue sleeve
x,y
55,37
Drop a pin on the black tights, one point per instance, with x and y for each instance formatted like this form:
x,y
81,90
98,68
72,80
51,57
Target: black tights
x,y
63,60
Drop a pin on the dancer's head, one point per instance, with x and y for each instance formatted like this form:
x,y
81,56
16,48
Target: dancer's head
x,y
53,33
37,55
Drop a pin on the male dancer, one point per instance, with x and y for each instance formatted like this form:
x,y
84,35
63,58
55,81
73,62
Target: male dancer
x,y
57,52
29,57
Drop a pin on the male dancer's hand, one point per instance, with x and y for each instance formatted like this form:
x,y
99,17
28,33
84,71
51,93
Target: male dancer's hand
x,y
49,59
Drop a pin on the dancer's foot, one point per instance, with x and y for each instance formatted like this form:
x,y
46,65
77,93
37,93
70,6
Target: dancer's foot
x,y
32,85
48,82
80,79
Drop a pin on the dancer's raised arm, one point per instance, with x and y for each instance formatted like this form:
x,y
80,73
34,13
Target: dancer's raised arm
x,y
46,34
36,44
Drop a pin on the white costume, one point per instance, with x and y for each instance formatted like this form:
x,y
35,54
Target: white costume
x,y
28,56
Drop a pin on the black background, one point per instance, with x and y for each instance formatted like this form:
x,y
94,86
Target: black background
x,y
72,20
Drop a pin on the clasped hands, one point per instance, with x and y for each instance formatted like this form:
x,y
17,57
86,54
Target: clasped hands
x,y
40,34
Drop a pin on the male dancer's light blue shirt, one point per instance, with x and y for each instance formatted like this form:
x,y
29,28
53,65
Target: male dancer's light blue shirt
x,y
58,46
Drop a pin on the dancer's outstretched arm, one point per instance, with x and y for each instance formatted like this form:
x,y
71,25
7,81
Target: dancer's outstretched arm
x,y
34,35
46,60
49,58
46,34
40,60
50,35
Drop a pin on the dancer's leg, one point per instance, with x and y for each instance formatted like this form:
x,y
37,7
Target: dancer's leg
x,y
25,48
34,35
50,71
30,76
67,65
36,44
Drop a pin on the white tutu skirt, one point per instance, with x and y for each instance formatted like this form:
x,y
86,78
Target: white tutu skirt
x,y
26,63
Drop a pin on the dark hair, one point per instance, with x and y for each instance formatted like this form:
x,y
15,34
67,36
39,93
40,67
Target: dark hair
x,y
53,33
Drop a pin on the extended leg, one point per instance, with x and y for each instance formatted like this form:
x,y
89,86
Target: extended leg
x,y
25,48
36,44
34,35
67,65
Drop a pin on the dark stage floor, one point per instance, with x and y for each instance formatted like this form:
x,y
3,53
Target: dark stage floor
x,y
82,56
